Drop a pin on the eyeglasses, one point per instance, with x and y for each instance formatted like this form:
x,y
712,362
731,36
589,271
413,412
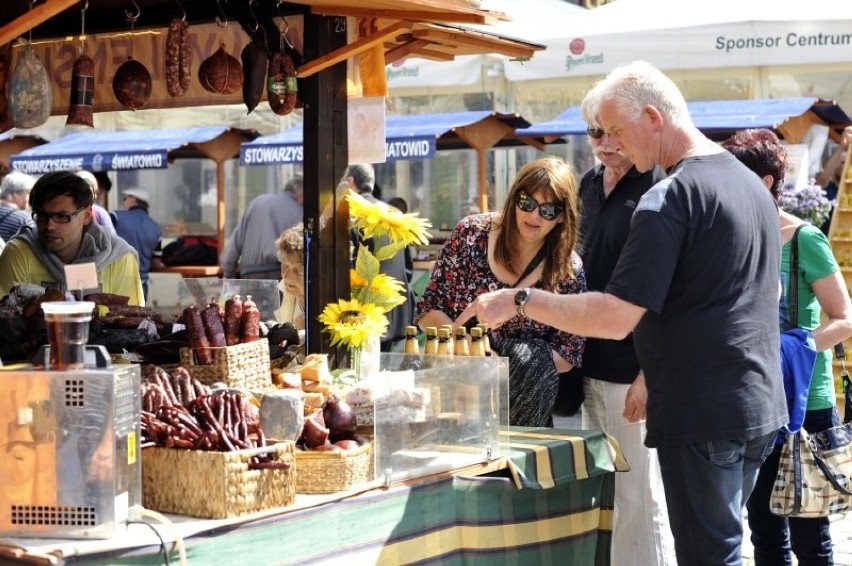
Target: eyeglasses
x,y
595,133
58,217
547,210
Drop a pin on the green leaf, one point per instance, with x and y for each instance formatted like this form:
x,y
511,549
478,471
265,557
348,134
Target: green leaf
x,y
366,264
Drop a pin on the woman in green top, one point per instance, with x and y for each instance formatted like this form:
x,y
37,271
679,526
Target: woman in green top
x,y
821,290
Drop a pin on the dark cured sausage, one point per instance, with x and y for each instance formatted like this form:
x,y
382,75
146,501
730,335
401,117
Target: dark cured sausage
x,y
200,343
233,320
81,110
250,327
282,87
255,57
178,58
213,326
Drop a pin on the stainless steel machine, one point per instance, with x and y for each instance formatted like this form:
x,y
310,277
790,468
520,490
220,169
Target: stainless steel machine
x,y
69,450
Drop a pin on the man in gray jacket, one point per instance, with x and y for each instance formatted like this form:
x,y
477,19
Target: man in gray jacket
x,y
250,252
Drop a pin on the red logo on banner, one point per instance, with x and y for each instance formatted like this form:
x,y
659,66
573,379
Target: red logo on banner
x,y
577,46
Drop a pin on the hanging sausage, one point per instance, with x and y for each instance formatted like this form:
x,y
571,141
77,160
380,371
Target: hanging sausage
x,y
178,57
30,92
132,81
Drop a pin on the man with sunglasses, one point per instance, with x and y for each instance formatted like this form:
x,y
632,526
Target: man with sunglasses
x,y
614,386
64,234
697,284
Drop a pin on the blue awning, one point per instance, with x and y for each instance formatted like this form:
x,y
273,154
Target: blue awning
x,y
415,136
717,118
122,150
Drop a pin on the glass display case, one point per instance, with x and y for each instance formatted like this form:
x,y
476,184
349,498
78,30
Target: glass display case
x,y
437,413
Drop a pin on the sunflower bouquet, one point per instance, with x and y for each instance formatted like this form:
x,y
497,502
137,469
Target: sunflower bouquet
x,y
354,322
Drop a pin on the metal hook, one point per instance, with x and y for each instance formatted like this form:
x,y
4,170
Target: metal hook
x,y
131,17
286,26
221,21
182,11
83,25
253,15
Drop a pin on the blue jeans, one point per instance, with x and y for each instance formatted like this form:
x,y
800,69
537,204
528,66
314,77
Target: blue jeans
x,y
706,485
773,536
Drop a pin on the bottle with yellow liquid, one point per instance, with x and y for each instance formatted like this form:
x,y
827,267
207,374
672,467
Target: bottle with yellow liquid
x,y
486,343
460,345
449,329
431,345
411,346
444,343
477,344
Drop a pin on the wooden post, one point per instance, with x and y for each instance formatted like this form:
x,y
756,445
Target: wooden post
x,y
325,159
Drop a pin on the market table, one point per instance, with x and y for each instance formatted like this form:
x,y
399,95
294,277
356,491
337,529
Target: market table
x,y
547,501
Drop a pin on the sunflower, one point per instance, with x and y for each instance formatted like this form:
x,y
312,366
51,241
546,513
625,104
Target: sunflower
x,y
352,323
384,291
379,219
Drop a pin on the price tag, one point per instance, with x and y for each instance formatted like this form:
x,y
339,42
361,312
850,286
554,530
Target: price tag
x,y
81,276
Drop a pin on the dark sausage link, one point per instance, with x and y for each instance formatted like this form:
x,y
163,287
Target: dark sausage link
x,y
81,109
250,326
200,342
233,317
213,326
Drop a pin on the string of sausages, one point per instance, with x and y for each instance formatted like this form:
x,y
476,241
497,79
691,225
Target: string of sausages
x,y
180,412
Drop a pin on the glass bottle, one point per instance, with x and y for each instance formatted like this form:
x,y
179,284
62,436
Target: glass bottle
x,y
486,342
444,343
460,345
431,345
411,344
477,344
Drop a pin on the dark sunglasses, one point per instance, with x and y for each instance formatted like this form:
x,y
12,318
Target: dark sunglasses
x,y
595,133
547,210
58,217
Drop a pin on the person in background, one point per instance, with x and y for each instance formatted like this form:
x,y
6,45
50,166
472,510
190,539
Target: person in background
x,y
362,179
291,254
821,290
529,245
139,230
65,234
100,214
614,386
250,252
14,192
697,284
832,171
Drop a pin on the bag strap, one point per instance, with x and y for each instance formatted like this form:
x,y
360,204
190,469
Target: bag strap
x,y
793,284
532,265
823,466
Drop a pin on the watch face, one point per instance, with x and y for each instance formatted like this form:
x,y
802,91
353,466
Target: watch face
x,y
522,296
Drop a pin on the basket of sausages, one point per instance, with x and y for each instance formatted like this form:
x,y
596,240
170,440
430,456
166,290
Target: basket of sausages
x,y
226,345
204,453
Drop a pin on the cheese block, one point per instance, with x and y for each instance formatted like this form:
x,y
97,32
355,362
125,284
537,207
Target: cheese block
x,y
282,414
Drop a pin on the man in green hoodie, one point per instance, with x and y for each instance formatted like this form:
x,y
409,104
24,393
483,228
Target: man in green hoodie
x,y
65,234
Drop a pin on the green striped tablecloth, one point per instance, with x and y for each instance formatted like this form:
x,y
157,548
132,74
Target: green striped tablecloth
x,y
561,515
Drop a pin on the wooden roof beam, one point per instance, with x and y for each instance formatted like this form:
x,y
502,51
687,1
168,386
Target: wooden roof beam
x,y
352,49
482,17
481,43
414,48
38,15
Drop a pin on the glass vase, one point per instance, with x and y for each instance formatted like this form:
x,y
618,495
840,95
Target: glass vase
x,y
366,360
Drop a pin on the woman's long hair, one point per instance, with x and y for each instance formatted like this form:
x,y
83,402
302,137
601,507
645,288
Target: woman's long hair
x,y
555,178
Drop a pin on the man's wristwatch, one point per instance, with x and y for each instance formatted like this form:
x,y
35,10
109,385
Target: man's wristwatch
x,y
521,299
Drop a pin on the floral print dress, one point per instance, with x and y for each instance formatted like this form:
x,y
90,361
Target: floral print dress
x,y
462,273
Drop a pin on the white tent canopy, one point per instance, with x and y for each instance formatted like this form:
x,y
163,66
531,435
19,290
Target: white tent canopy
x,y
677,34
530,19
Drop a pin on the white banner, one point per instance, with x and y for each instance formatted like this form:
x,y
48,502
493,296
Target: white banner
x,y
673,34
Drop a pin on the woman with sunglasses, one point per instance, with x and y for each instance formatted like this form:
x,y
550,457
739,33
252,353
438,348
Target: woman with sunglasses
x,y
530,244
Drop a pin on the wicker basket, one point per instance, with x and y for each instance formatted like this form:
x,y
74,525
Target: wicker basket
x,y
243,365
214,485
328,472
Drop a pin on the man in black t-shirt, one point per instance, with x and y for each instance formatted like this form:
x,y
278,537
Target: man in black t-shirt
x,y
697,283
614,388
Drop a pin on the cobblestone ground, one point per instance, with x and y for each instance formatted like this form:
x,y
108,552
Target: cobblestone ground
x,y
841,523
